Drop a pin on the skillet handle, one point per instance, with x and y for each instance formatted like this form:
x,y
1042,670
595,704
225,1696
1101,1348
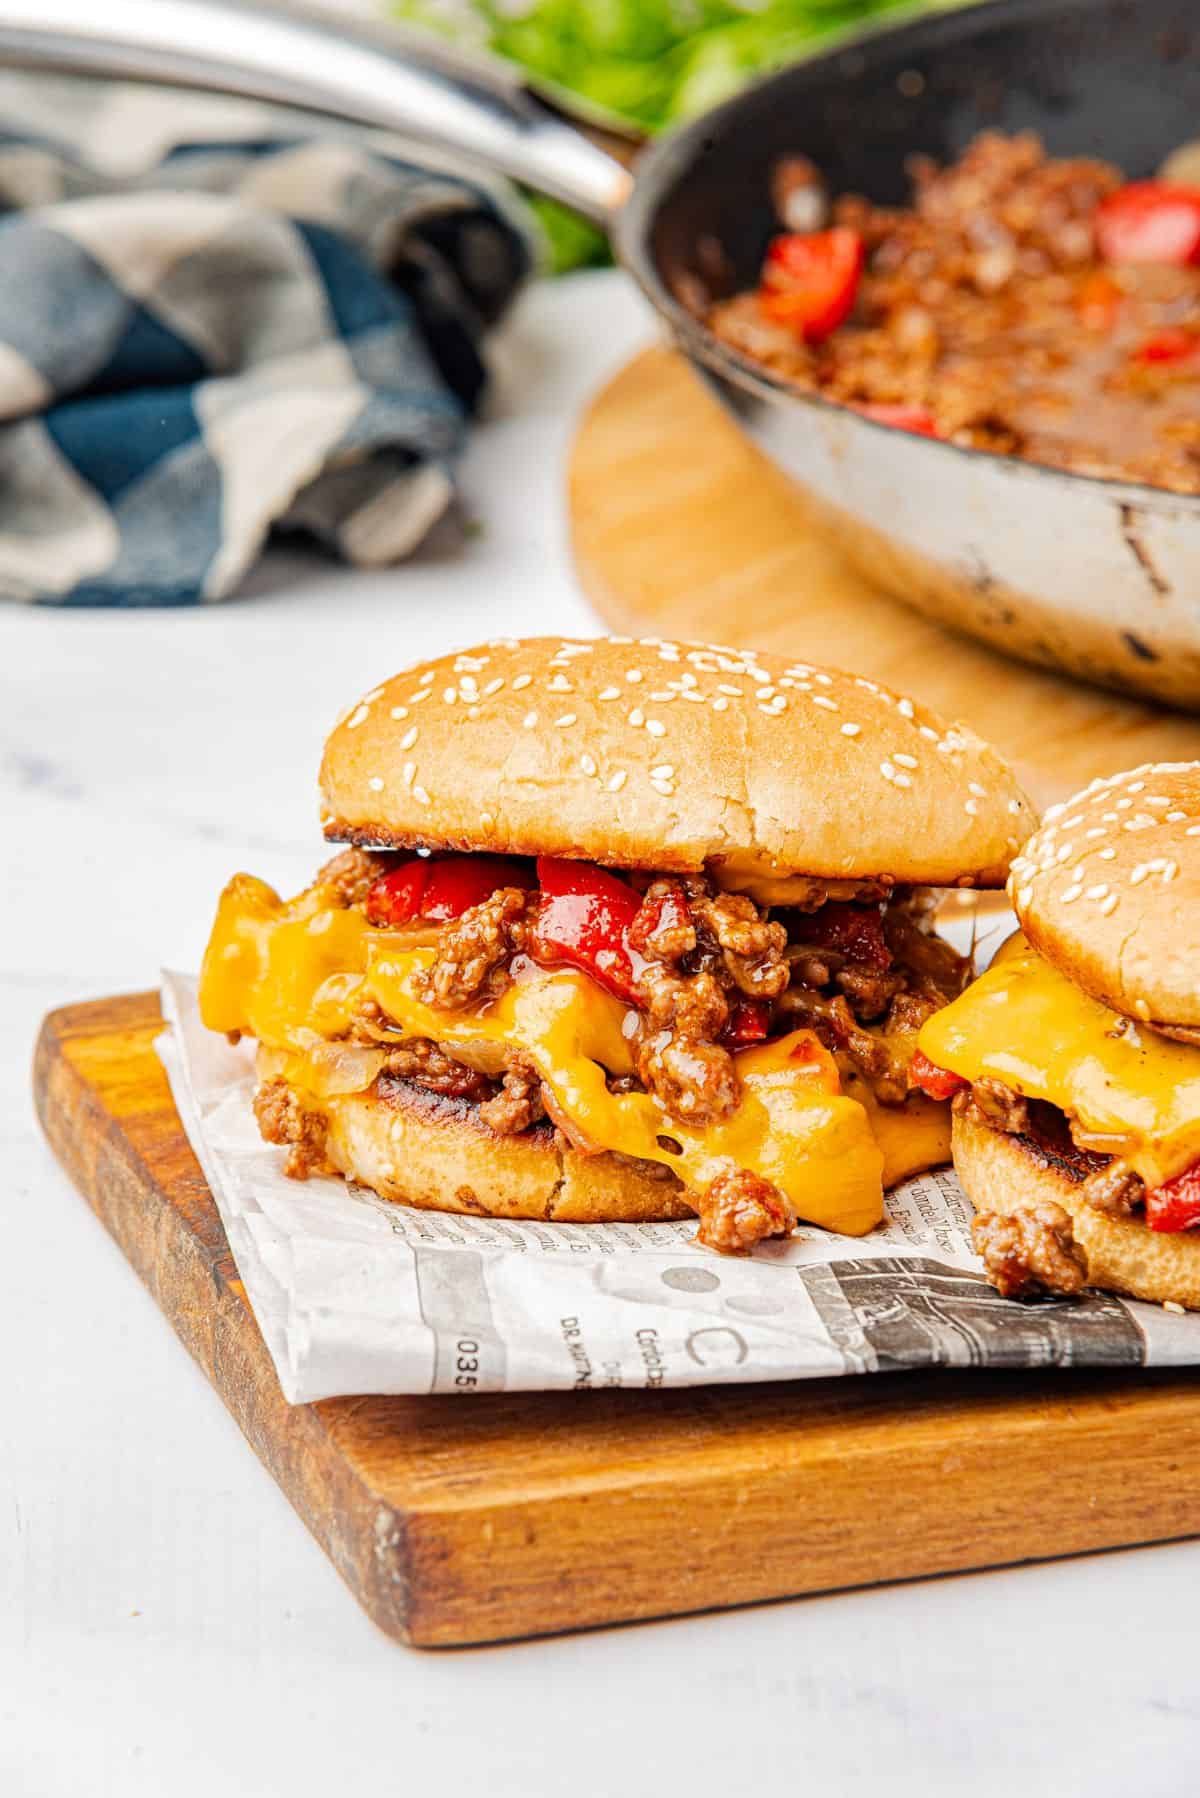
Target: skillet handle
x,y
346,68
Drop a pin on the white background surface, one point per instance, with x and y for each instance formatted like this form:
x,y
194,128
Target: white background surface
x,y
167,1627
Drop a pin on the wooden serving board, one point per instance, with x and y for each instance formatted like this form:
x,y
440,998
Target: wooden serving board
x,y
471,1519
681,528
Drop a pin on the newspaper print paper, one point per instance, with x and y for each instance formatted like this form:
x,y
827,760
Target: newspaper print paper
x,y
355,1295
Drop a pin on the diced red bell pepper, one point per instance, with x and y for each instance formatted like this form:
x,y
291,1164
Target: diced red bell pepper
x,y
855,931
1176,1205
749,1022
583,919
810,281
935,1082
917,419
1174,344
1098,301
440,887
1150,221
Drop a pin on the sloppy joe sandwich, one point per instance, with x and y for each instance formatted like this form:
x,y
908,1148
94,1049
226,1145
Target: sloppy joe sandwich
x,y
624,931
1074,1062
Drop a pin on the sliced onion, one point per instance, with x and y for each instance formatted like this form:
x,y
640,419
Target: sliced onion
x,y
335,1068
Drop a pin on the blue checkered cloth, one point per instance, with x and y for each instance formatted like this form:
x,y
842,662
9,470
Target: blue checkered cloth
x,y
250,338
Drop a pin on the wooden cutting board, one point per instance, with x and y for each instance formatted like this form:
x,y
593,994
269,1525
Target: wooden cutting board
x,y
682,529
471,1519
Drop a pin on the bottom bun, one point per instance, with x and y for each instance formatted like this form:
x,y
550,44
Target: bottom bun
x,y
1002,1173
419,1148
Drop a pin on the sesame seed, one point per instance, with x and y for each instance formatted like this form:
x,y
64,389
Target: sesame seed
x,y
851,730
720,704
529,720
696,698
733,692
1170,871
358,717
1176,817
587,763
902,780
409,738
421,796
888,770
1193,830
1142,872
664,771
830,705
905,708
1069,894
637,717
1124,805
399,712
908,761
611,693
1024,895
688,679
469,687
426,679
449,695
1097,830
656,727
1100,892
973,786
1108,855
617,780
665,788
634,675
410,768
664,695
562,723
971,807
823,680
560,684
416,698
928,732
493,686
1109,906
375,784
369,698
1136,786
521,682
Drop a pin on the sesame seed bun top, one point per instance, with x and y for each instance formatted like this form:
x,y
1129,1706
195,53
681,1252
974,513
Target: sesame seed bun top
x,y
674,756
1107,891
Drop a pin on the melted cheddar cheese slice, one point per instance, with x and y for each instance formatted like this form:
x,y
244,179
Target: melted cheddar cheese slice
x,y
1136,1094
293,975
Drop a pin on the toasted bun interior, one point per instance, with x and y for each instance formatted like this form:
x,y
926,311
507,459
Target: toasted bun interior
x,y
1001,1173
1108,890
675,756
418,1148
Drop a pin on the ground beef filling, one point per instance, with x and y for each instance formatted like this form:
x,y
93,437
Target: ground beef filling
x,y
701,957
283,1119
1101,1181
986,305
1033,1248
1030,1250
